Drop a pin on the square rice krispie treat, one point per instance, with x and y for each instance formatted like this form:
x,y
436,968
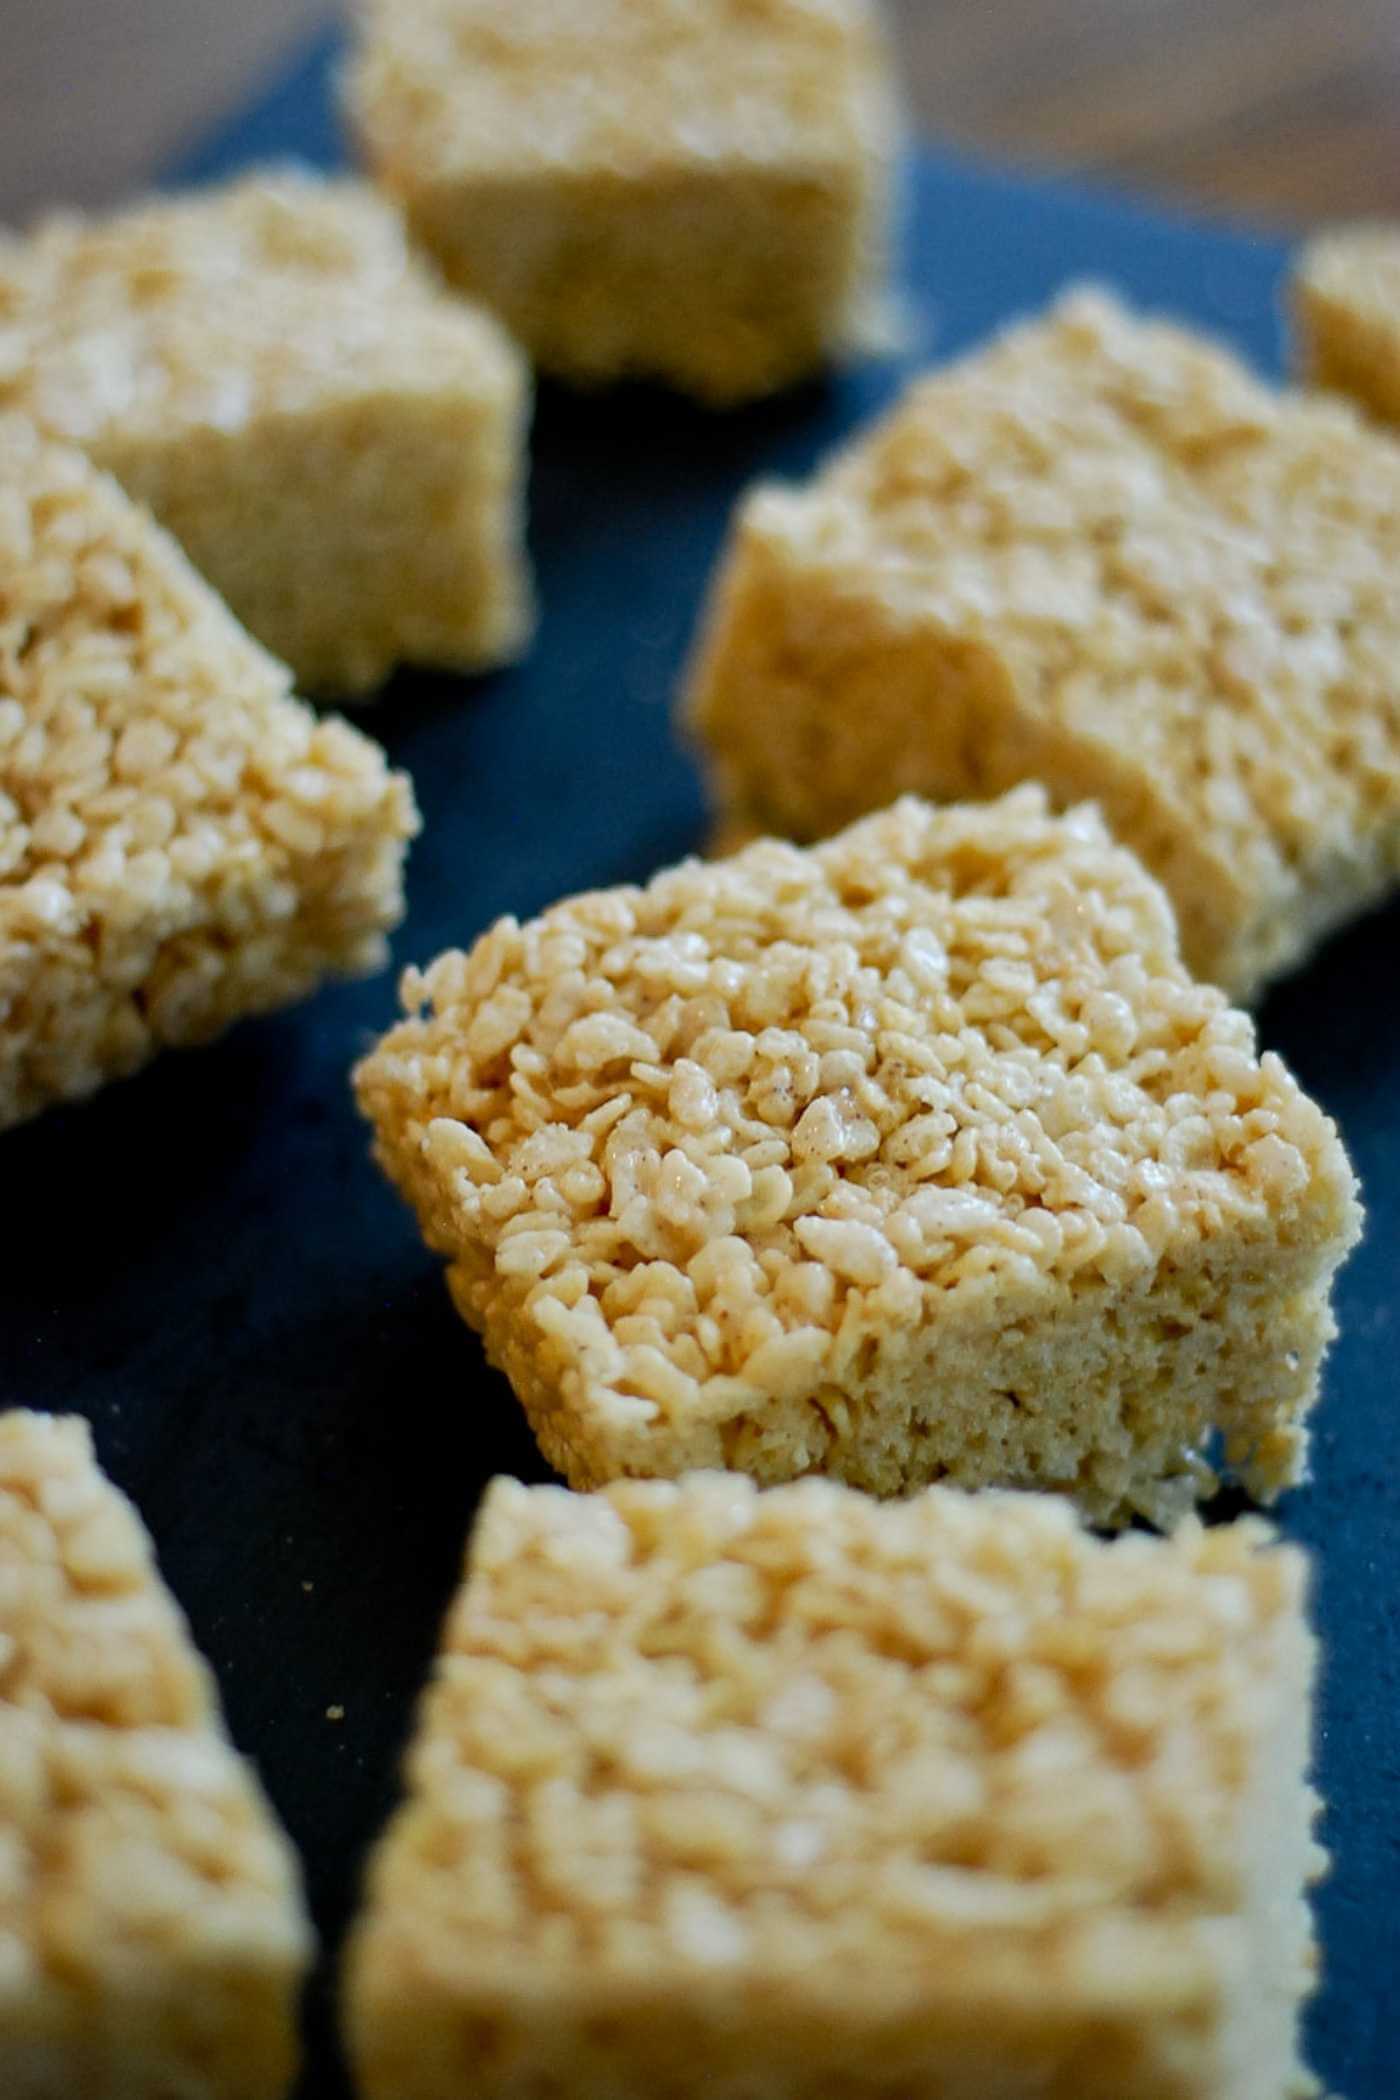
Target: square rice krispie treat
x,y
917,1154
1346,309
1102,555
181,841
336,443
727,1793
696,191
152,1934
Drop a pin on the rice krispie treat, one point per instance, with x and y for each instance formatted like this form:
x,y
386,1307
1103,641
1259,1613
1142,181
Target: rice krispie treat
x,y
1102,555
152,1934
336,443
181,841
694,190
914,1154
1346,308
719,1792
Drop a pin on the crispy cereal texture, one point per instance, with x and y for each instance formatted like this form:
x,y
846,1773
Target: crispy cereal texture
x,y
790,1796
181,841
152,1934
1102,555
691,190
1346,309
337,445
914,1154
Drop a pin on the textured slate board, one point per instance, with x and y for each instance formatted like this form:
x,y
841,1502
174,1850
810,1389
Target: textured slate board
x,y
205,1263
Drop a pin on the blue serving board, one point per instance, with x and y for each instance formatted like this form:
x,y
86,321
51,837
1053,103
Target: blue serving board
x,y
205,1263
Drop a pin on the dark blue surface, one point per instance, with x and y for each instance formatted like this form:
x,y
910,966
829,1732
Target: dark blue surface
x,y
211,1269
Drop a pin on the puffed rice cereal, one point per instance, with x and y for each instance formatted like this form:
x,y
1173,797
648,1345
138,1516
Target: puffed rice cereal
x,y
1103,555
916,1154
152,1933
789,1794
336,444
181,841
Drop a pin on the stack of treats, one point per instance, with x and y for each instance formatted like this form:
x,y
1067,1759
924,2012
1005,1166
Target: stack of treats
x,y
866,1217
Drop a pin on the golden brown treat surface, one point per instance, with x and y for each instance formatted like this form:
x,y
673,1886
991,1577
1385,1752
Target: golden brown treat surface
x,y
818,1795
604,83
150,1915
267,367
181,841
1102,554
916,1152
694,189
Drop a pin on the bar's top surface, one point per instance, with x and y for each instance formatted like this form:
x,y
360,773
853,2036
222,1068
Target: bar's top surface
x,y
210,312
491,89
